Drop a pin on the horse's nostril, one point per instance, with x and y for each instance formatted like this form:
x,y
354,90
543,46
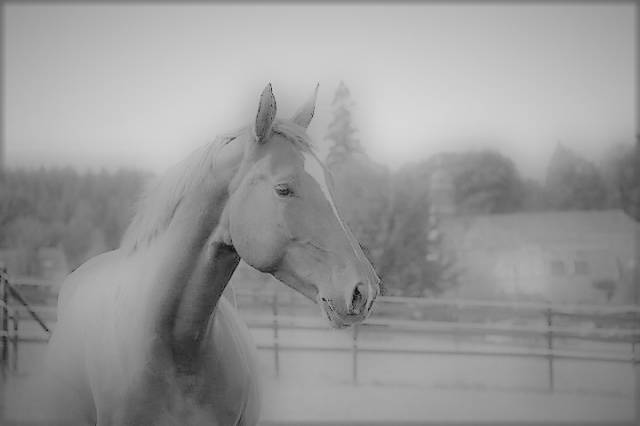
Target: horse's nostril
x,y
358,299
356,296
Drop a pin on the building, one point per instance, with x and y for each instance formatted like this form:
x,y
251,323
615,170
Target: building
x,y
560,257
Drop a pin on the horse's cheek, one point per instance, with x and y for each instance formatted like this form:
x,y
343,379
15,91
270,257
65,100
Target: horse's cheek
x,y
259,240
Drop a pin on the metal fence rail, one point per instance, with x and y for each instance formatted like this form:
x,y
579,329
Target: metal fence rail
x,y
558,309
615,325
436,327
629,337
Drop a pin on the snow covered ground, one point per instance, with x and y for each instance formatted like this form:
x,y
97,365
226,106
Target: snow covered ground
x,y
312,385
290,401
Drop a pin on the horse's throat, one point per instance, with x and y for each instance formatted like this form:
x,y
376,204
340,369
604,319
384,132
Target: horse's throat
x,y
197,303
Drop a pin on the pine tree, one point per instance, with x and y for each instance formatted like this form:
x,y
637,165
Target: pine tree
x,y
341,131
629,182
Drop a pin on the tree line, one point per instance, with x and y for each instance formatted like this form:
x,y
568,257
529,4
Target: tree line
x,y
83,213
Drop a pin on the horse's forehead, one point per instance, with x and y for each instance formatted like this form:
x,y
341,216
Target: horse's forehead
x,y
283,153
288,156
314,168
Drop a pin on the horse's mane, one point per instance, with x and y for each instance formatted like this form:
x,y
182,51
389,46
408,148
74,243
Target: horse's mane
x,y
160,201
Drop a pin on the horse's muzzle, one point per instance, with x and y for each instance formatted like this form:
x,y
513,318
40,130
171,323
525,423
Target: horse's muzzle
x,y
347,318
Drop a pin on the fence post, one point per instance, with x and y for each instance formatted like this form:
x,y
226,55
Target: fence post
x,y
276,355
15,319
354,352
636,370
549,315
636,286
5,313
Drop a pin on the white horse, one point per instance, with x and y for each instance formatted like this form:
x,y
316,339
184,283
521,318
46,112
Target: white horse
x,y
143,335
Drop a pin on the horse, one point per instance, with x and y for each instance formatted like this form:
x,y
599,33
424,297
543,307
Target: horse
x,y
143,335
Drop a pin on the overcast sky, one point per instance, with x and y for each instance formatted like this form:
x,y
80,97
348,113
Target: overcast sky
x,y
120,85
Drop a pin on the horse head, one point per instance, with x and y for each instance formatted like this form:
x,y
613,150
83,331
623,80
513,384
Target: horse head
x,y
281,218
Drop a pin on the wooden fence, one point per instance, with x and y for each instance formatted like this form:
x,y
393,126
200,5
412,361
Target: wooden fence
x,y
13,313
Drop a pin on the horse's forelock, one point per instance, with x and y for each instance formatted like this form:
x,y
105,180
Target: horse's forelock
x,y
294,133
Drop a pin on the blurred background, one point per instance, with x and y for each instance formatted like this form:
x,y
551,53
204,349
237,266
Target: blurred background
x,y
486,157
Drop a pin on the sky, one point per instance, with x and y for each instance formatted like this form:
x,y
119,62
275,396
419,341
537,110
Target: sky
x,y
109,85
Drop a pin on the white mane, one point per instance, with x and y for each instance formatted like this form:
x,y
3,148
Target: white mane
x,y
163,196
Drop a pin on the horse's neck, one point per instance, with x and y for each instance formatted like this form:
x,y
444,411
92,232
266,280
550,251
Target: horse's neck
x,y
198,300
193,270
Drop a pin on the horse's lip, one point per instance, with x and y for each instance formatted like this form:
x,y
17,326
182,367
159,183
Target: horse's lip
x,y
338,320
332,316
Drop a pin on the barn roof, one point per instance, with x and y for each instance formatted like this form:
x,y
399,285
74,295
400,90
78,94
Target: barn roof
x,y
500,231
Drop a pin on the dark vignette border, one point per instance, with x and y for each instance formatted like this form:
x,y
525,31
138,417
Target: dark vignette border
x,y
337,3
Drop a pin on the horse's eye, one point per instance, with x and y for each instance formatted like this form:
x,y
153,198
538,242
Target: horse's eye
x,y
283,190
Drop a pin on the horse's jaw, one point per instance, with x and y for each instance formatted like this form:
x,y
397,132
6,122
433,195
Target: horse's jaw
x,y
330,309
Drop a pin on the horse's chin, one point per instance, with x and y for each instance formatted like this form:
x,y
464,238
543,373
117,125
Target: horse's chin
x,y
338,324
336,320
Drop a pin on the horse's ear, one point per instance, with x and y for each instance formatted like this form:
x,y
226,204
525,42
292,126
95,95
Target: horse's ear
x,y
303,116
266,114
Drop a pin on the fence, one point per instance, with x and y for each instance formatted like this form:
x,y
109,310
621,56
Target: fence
x,y
551,324
614,325
12,313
